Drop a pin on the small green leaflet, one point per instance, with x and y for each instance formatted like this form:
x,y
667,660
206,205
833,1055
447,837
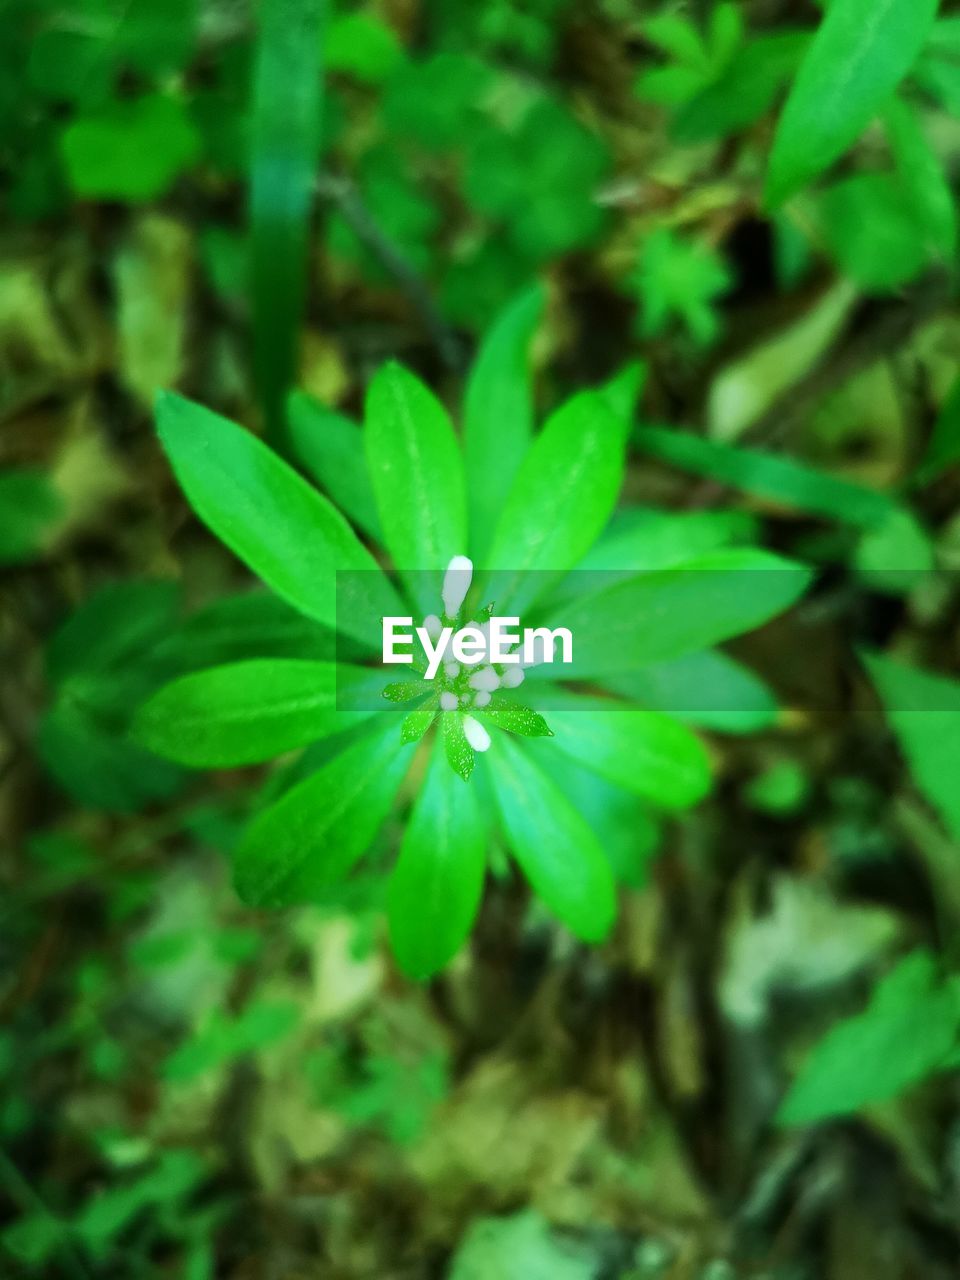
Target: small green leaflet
x,y
460,755
245,712
417,474
924,711
417,722
499,412
553,843
860,53
906,1033
514,717
312,836
268,515
434,891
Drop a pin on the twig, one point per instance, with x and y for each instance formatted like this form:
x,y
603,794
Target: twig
x,y
342,192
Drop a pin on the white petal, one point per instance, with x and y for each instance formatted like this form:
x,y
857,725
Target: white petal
x,y
433,626
482,699
476,734
449,701
456,584
485,679
513,677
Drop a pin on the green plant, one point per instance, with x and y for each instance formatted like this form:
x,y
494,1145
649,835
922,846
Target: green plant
x,y
560,489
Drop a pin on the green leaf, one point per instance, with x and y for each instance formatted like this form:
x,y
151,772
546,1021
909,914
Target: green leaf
x,y
113,629
561,499
285,142
709,689
311,837
923,179
860,53
924,711
133,149
29,507
514,717
679,277
553,843
434,891
285,531
97,765
767,476
896,556
905,1034
648,753
460,755
224,1038
944,447
407,690
744,92
417,722
244,712
656,616
417,474
498,412
872,230
330,446
252,624
645,538
620,820
362,45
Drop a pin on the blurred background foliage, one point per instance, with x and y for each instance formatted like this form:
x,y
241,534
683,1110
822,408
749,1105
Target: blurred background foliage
x,y
195,1090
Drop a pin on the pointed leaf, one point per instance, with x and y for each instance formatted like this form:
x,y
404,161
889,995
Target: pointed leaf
x,y
244,712
268,515
656,616
514,717
417,722
906,1033
460,755
553,843
330,446
499,412
311,837
650,754
561,499
435,888
924,710
417,475
861,52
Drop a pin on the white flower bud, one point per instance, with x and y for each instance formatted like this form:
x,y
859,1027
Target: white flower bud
x,y
456,584
482,699
476,734
451,670
449,701
512,678
433,626
486,680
